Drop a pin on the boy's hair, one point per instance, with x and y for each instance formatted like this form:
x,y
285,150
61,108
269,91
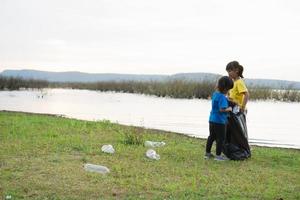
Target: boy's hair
x,y
235,65
224,84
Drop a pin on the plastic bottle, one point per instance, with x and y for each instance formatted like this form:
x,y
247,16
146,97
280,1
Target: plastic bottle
x,y
7,197
96,168
235,109
108,148
152,154
154,144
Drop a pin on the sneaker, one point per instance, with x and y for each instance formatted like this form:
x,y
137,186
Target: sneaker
x,y
208,155
221,158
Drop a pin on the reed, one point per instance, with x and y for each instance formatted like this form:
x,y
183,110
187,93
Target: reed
x,y
15,83
172,88
287,95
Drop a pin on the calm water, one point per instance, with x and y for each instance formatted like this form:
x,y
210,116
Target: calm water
x,y
269,123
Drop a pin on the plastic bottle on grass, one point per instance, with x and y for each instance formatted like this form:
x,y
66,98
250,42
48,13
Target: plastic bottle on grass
x,y
96,168
154,144
108,148
152,154
8,197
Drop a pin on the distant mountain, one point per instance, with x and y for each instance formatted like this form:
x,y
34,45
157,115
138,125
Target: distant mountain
x,y
90,77
79,76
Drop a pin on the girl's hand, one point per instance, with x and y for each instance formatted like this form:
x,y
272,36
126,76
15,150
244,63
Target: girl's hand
x,y
243,110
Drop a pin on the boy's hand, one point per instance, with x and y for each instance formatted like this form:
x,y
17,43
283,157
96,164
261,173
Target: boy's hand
x,y
229,109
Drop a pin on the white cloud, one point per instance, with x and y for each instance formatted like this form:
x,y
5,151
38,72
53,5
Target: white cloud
x,y
53,42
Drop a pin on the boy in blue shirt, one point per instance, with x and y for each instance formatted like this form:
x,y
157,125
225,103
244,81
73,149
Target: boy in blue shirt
x,y
218,118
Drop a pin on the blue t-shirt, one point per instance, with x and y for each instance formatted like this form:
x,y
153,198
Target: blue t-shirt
x,y
218,101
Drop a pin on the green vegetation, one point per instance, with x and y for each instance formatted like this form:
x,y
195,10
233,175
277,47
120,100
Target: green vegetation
x,y
11,83
173,89
42,157
288,95
133,136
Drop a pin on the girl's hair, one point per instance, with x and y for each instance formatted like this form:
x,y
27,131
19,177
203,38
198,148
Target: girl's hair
x,y
224,84
235,65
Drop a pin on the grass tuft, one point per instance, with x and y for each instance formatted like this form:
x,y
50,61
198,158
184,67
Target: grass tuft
x,y
133,136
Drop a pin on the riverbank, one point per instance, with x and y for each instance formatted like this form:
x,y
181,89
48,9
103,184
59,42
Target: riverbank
x,y
42,157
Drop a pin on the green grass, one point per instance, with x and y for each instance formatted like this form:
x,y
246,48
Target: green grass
x,y
42,157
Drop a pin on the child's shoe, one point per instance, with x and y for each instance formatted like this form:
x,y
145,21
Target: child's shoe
x,y
208,155
221,158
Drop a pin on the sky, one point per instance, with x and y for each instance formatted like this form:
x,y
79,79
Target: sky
x,y
152,37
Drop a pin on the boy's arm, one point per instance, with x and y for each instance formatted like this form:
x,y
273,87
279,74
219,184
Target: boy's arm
x,y
229,109
224,107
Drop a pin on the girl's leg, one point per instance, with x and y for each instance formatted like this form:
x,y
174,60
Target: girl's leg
x,y
211,138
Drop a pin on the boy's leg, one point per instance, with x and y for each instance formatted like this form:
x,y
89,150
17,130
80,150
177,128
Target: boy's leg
x,y
211,138
220,138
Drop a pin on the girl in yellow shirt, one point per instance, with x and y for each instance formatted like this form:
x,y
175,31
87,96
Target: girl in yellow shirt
x,y
239,93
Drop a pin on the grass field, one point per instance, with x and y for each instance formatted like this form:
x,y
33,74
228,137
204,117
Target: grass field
x,y
42,157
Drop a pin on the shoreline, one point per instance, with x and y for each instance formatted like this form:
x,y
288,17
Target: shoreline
x,y
150,129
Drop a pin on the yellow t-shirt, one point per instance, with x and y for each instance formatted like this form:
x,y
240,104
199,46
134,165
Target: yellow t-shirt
x,y
235,94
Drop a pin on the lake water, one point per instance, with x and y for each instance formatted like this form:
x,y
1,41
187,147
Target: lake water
x,y
269,123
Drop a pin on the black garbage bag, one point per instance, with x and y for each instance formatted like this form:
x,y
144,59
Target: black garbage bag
x,y
236,145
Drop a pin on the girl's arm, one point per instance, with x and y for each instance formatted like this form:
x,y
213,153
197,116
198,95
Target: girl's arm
x,y
245,101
